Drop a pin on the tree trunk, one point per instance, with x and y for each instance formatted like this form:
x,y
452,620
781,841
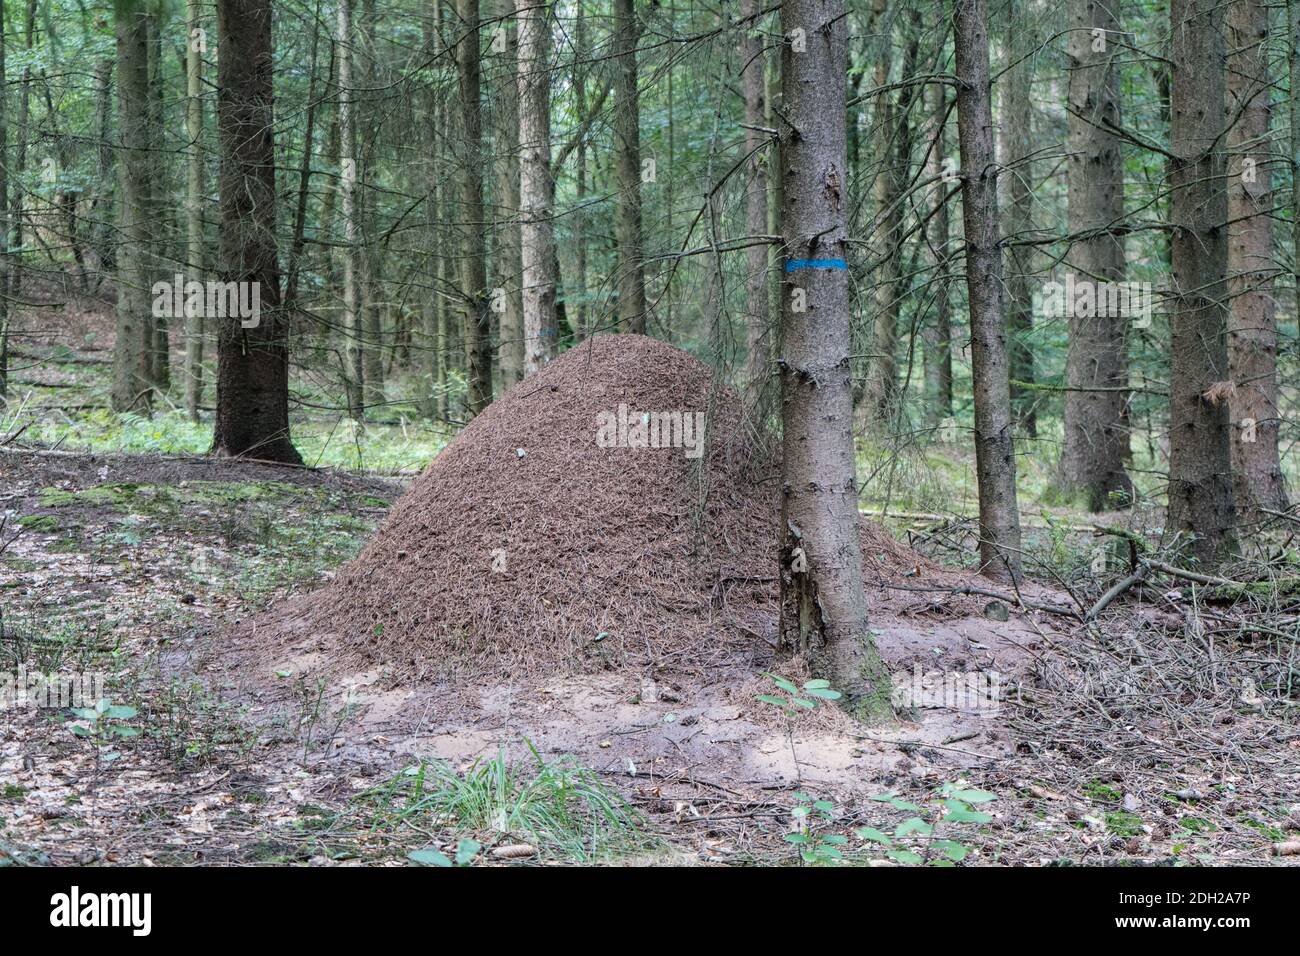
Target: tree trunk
x,y
627,167
508,117
1252,319
758,362
252,362
196,266
473,261
1096,438
995,461
4,219
1200,479
823,602
937,334
1018,110
373,337
354,370
536,187
132,387
160,219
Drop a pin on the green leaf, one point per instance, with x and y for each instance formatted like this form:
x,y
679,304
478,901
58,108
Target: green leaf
x,y
874,835
796,838
942,863
800,812
829,853
883,797
825,806
466,850
125,731
816,684
952,849
803,703
823,694
960,813
906,856
80,731
782,683
429,857
120,712
835,840
973,796
777,701
913,825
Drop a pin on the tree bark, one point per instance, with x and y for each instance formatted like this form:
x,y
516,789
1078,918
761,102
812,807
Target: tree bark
x,y
1200,477
196,265
536,187
995,461
354,369
936,336
1096,440
509,272
252,363
1018,109
132,388
627,168
823,602
473,261
1252,319
758,362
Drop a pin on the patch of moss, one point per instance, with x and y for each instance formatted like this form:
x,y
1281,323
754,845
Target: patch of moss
x,y
1123,823
1097,790
1195,824
13,792
1272,832
109,496
39,522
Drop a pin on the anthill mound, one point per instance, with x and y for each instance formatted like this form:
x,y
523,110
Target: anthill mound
x,y
528,545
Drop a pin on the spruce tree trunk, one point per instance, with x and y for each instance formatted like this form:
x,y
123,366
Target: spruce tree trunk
x,y
252,363
196,266
509,257
1252,319
630,267
536,187
823,602
354,370
160,251
1096,438
936,335
132,387
1018,109
1200,479
995,461
473,254
758,363
4,220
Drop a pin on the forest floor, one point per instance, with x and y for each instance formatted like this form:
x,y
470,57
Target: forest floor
x,y
1121,744
1163,733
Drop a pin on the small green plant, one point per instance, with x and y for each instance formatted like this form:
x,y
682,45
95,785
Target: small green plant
x,y
466,850
815,848
102,725
954,806
794,698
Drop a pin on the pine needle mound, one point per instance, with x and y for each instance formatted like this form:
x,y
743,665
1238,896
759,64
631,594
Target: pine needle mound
x,y
526,547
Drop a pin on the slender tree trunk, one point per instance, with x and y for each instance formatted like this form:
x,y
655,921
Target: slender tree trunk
x,y
1293,68
627,166
354,370
995,460
507,116
536,187
4,216
1018,111
937,334
370,278
581,320
473,262
195,45
1096,432
823,602
132,387
14,286
1200,479
1252,319
252,360
160,221
758,361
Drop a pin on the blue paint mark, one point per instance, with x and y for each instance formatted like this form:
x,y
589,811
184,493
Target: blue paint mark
x,y
794,265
